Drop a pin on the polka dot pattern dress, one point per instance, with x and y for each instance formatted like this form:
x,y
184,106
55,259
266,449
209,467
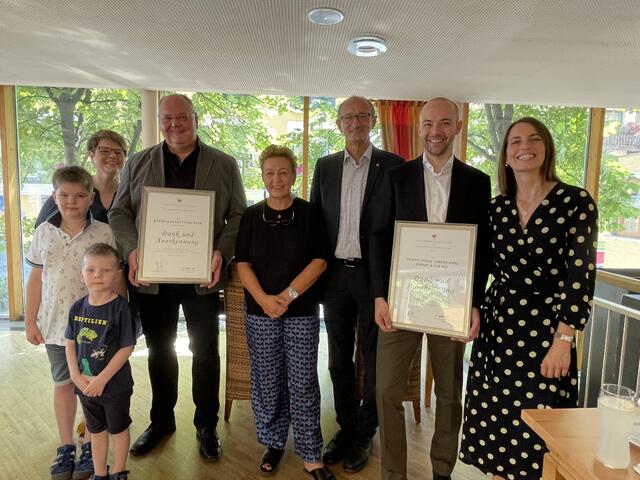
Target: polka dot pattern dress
x,y
542,275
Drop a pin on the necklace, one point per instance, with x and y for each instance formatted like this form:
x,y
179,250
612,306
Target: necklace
x,y
527,209
278,220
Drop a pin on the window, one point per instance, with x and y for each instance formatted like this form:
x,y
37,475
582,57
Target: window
x,y
568,126
4,291
53,127
619,197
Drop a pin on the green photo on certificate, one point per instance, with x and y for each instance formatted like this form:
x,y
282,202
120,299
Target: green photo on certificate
x,y
431,282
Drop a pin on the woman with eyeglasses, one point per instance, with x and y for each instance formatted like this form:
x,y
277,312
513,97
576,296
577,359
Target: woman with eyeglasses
x,y
107,150
281,251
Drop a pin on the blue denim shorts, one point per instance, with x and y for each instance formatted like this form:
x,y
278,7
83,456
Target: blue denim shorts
x,y
59,368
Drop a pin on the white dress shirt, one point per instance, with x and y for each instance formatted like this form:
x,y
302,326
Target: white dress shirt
x,y
354,181
437,187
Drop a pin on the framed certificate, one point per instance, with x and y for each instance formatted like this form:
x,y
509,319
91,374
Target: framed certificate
x,y
175,241
431,282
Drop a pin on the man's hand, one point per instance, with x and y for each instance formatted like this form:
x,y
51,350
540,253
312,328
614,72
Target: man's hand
x,y
95,387
557,360
216,268
382,315
34,336
273,306
475,327
132,261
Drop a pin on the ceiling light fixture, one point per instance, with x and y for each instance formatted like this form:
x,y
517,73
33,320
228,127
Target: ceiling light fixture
x,y
325,16
367,46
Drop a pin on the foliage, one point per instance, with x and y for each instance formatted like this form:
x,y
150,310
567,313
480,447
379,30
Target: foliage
x,y
569,128
28,227
236,124
55,123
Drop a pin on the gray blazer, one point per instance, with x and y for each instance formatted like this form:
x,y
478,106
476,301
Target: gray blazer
x,y
215,171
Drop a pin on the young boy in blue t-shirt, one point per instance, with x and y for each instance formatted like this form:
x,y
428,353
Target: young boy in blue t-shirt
x,y
100,337
54,284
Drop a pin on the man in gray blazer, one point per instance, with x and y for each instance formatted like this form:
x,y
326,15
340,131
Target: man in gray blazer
x,y
181,161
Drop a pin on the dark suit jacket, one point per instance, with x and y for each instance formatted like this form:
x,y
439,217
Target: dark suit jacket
x,y
402,197
327,187
215,171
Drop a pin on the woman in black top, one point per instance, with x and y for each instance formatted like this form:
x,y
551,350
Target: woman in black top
x,y
107,150
281,251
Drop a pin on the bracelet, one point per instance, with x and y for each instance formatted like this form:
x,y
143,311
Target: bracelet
x,y
563,336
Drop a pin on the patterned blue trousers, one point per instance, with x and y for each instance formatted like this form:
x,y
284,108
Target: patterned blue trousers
x,y
284,382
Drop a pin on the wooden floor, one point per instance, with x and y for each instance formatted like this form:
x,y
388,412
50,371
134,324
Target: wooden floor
x,y
28,435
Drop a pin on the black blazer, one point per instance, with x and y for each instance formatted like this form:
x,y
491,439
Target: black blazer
x,y
327,186
402,197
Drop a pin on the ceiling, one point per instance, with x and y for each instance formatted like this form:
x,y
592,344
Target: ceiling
x,y
569,52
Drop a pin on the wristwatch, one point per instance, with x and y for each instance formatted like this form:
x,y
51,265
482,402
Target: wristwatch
x,y
293,293
563,336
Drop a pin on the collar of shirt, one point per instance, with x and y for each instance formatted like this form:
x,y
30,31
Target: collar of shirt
x,y
168,154
366,156
446,169
56,219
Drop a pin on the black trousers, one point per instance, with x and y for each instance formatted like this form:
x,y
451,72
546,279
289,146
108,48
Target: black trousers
x,y
159,317
348,307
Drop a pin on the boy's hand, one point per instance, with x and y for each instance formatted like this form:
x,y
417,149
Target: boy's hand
x,y
81,381
34,336
95,387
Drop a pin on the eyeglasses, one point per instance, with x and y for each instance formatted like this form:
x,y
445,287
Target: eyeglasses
x,y
181,118
280,221
362,117
106,151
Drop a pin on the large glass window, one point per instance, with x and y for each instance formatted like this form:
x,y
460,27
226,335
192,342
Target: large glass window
x,y
244,125
568,125
4,291
619,197
53,127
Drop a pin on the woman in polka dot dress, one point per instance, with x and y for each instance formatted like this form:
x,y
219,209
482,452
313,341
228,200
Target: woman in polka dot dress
x,y
544,246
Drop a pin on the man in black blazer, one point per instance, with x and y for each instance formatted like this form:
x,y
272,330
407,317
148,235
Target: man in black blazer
x,y
343,184
435,187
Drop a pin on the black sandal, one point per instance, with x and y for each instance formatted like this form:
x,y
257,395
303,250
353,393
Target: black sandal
x,y
270,461
320,473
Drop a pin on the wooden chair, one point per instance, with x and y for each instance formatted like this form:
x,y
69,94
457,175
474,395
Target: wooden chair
x,y
238,377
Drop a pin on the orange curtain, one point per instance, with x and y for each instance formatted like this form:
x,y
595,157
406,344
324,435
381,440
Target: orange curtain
x,y
398,120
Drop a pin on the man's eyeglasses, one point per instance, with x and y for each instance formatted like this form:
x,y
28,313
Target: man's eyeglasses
x,y
182,118
362,117
106,151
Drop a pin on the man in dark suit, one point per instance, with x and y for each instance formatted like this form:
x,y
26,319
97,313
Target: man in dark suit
x,y
435,187
343,184
181,161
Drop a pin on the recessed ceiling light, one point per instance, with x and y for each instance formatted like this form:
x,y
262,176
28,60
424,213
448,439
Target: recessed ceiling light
x,y
367,46
325,16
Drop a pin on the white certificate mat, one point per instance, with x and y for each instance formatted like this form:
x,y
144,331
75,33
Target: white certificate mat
x,y
176,236
430,288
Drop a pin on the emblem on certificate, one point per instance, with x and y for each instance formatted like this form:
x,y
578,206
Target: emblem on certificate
x,y
431,282
175,236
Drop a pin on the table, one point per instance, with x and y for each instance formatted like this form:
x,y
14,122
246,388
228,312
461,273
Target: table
x,y
570,435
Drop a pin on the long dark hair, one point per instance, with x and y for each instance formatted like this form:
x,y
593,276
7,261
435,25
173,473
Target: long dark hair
x,y
506,178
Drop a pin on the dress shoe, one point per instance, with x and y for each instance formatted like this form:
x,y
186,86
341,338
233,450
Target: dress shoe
x,y
441,477
210,448
336,449
150,438
357,456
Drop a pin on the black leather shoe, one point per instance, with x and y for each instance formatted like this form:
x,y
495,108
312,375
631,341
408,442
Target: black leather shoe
x,y
210,448
441,477
357,456
336,449
150,438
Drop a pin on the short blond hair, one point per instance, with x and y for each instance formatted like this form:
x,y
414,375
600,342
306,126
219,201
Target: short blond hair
x,y
279,151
